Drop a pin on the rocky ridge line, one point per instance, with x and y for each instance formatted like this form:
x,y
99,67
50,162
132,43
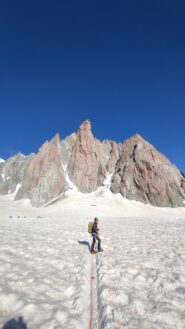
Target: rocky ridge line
x,y
137,170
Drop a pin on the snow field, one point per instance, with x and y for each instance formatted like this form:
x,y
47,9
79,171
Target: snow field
x,y
46,267
44,274
141,276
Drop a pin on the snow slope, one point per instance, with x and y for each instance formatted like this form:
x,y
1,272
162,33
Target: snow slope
x,y
142,274
46,268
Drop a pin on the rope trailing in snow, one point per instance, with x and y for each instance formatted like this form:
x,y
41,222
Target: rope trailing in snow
x,y
92,277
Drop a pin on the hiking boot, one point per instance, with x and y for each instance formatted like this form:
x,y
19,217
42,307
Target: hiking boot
x,y
100,250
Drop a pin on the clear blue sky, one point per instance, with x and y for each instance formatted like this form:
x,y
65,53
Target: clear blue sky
x,y
120,64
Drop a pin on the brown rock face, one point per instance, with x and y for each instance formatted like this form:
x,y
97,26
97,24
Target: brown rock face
x,y
138,171
45,177
110,155
66,148
143,174
84,167
13,171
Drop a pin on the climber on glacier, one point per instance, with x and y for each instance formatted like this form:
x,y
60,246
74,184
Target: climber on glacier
x,y
95,235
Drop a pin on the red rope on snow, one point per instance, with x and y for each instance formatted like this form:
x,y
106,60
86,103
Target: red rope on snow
x,y
91,298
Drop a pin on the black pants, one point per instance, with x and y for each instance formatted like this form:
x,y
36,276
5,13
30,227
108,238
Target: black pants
x,y
96,237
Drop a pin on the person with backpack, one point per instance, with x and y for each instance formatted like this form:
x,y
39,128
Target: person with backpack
x,y
95,235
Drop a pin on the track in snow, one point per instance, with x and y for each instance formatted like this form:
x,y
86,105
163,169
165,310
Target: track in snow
x,y
93,319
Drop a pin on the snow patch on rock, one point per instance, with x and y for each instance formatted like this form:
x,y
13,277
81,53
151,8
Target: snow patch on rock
x,y
107,181
3,176
17,188
68,180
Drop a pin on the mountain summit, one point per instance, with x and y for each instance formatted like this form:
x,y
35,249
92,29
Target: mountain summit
x,y
81,162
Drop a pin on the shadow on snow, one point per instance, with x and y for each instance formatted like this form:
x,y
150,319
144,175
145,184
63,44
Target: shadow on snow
x,y
85,243
15,324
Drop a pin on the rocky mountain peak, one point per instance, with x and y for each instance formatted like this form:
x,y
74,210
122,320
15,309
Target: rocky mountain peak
x,y
12,172
85,161
86,125
137,140
45,177
56,139
137,137
134,168
144,174
85,136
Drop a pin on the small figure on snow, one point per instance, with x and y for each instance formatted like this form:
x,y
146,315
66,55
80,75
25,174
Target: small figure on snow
x,y
95,235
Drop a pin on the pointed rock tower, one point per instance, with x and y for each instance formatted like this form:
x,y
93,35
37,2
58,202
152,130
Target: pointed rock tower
x,y
84,167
